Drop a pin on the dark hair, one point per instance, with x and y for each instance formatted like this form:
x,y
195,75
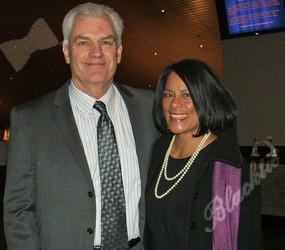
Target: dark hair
x,y
214,104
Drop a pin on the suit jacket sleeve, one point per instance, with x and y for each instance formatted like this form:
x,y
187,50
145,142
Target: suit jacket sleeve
x,y
20,190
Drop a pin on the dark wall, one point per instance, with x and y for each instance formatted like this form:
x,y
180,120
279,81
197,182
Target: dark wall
x,y
254,71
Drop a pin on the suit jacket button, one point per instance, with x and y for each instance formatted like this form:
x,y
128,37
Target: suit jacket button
x,y
193,225
89,230
90,194
195,195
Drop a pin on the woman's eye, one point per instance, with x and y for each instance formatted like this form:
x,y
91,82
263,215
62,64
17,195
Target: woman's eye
x,y
167,95
187,94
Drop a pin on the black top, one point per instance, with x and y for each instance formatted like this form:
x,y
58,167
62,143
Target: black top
x,y
178,220
167,217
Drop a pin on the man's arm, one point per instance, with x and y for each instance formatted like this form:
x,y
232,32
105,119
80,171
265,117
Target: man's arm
x,y
20,220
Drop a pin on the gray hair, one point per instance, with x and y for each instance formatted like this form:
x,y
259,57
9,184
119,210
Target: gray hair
x,y
91,10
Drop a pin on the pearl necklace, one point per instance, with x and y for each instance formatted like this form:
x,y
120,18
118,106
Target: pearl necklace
x,y
182,172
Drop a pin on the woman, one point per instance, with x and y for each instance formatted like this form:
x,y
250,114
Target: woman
x,y
199,193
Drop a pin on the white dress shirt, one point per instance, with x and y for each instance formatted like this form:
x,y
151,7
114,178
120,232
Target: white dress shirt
x,y
86,118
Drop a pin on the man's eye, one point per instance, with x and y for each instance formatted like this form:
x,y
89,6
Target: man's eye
x,y
106,43
83,43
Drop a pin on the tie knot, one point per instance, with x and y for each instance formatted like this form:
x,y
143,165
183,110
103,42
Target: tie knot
x,y
100,106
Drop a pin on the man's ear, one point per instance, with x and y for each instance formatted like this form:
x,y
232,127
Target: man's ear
x,y
119,53
65,51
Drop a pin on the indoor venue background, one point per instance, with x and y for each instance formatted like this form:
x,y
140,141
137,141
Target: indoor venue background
x,y
157,33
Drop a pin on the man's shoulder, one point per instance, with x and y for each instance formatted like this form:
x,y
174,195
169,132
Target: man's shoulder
x,y
36,105
133,91
42,101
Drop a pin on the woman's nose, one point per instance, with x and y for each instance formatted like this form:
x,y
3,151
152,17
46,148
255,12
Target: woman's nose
x,y
176,102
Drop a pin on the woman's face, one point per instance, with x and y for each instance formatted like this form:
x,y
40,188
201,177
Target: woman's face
x,y
179,111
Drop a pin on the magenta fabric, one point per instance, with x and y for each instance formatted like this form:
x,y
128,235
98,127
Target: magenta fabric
x,y
226,193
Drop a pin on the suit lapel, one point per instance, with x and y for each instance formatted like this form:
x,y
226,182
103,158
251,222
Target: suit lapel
x,y
64,119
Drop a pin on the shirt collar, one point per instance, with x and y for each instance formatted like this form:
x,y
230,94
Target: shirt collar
x,y
85,102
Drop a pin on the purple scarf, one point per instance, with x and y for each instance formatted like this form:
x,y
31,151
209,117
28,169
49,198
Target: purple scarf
x,y
226,193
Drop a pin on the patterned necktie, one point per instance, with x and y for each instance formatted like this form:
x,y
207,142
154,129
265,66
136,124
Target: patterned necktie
x,y
113,212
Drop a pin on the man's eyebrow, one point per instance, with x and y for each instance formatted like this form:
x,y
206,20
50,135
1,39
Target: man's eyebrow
x,y
82,38
79,37
108,37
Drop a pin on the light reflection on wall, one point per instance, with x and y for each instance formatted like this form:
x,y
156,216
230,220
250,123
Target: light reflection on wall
x,y
7,134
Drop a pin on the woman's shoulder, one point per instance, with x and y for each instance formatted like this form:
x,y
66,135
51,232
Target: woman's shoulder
x,y
163,140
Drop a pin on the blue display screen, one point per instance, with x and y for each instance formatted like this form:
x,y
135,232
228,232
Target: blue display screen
x,y
254,16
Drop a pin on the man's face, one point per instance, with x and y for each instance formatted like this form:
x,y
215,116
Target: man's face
x,y
93,53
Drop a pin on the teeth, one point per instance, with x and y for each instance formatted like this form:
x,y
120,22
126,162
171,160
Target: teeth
x,y
178,116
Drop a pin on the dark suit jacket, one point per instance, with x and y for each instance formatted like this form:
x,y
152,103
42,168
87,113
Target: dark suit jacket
x,y
49,199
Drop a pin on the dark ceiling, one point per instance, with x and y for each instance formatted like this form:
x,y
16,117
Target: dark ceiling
x,y
31,60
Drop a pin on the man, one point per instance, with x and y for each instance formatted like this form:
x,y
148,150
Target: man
x,y
52,197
